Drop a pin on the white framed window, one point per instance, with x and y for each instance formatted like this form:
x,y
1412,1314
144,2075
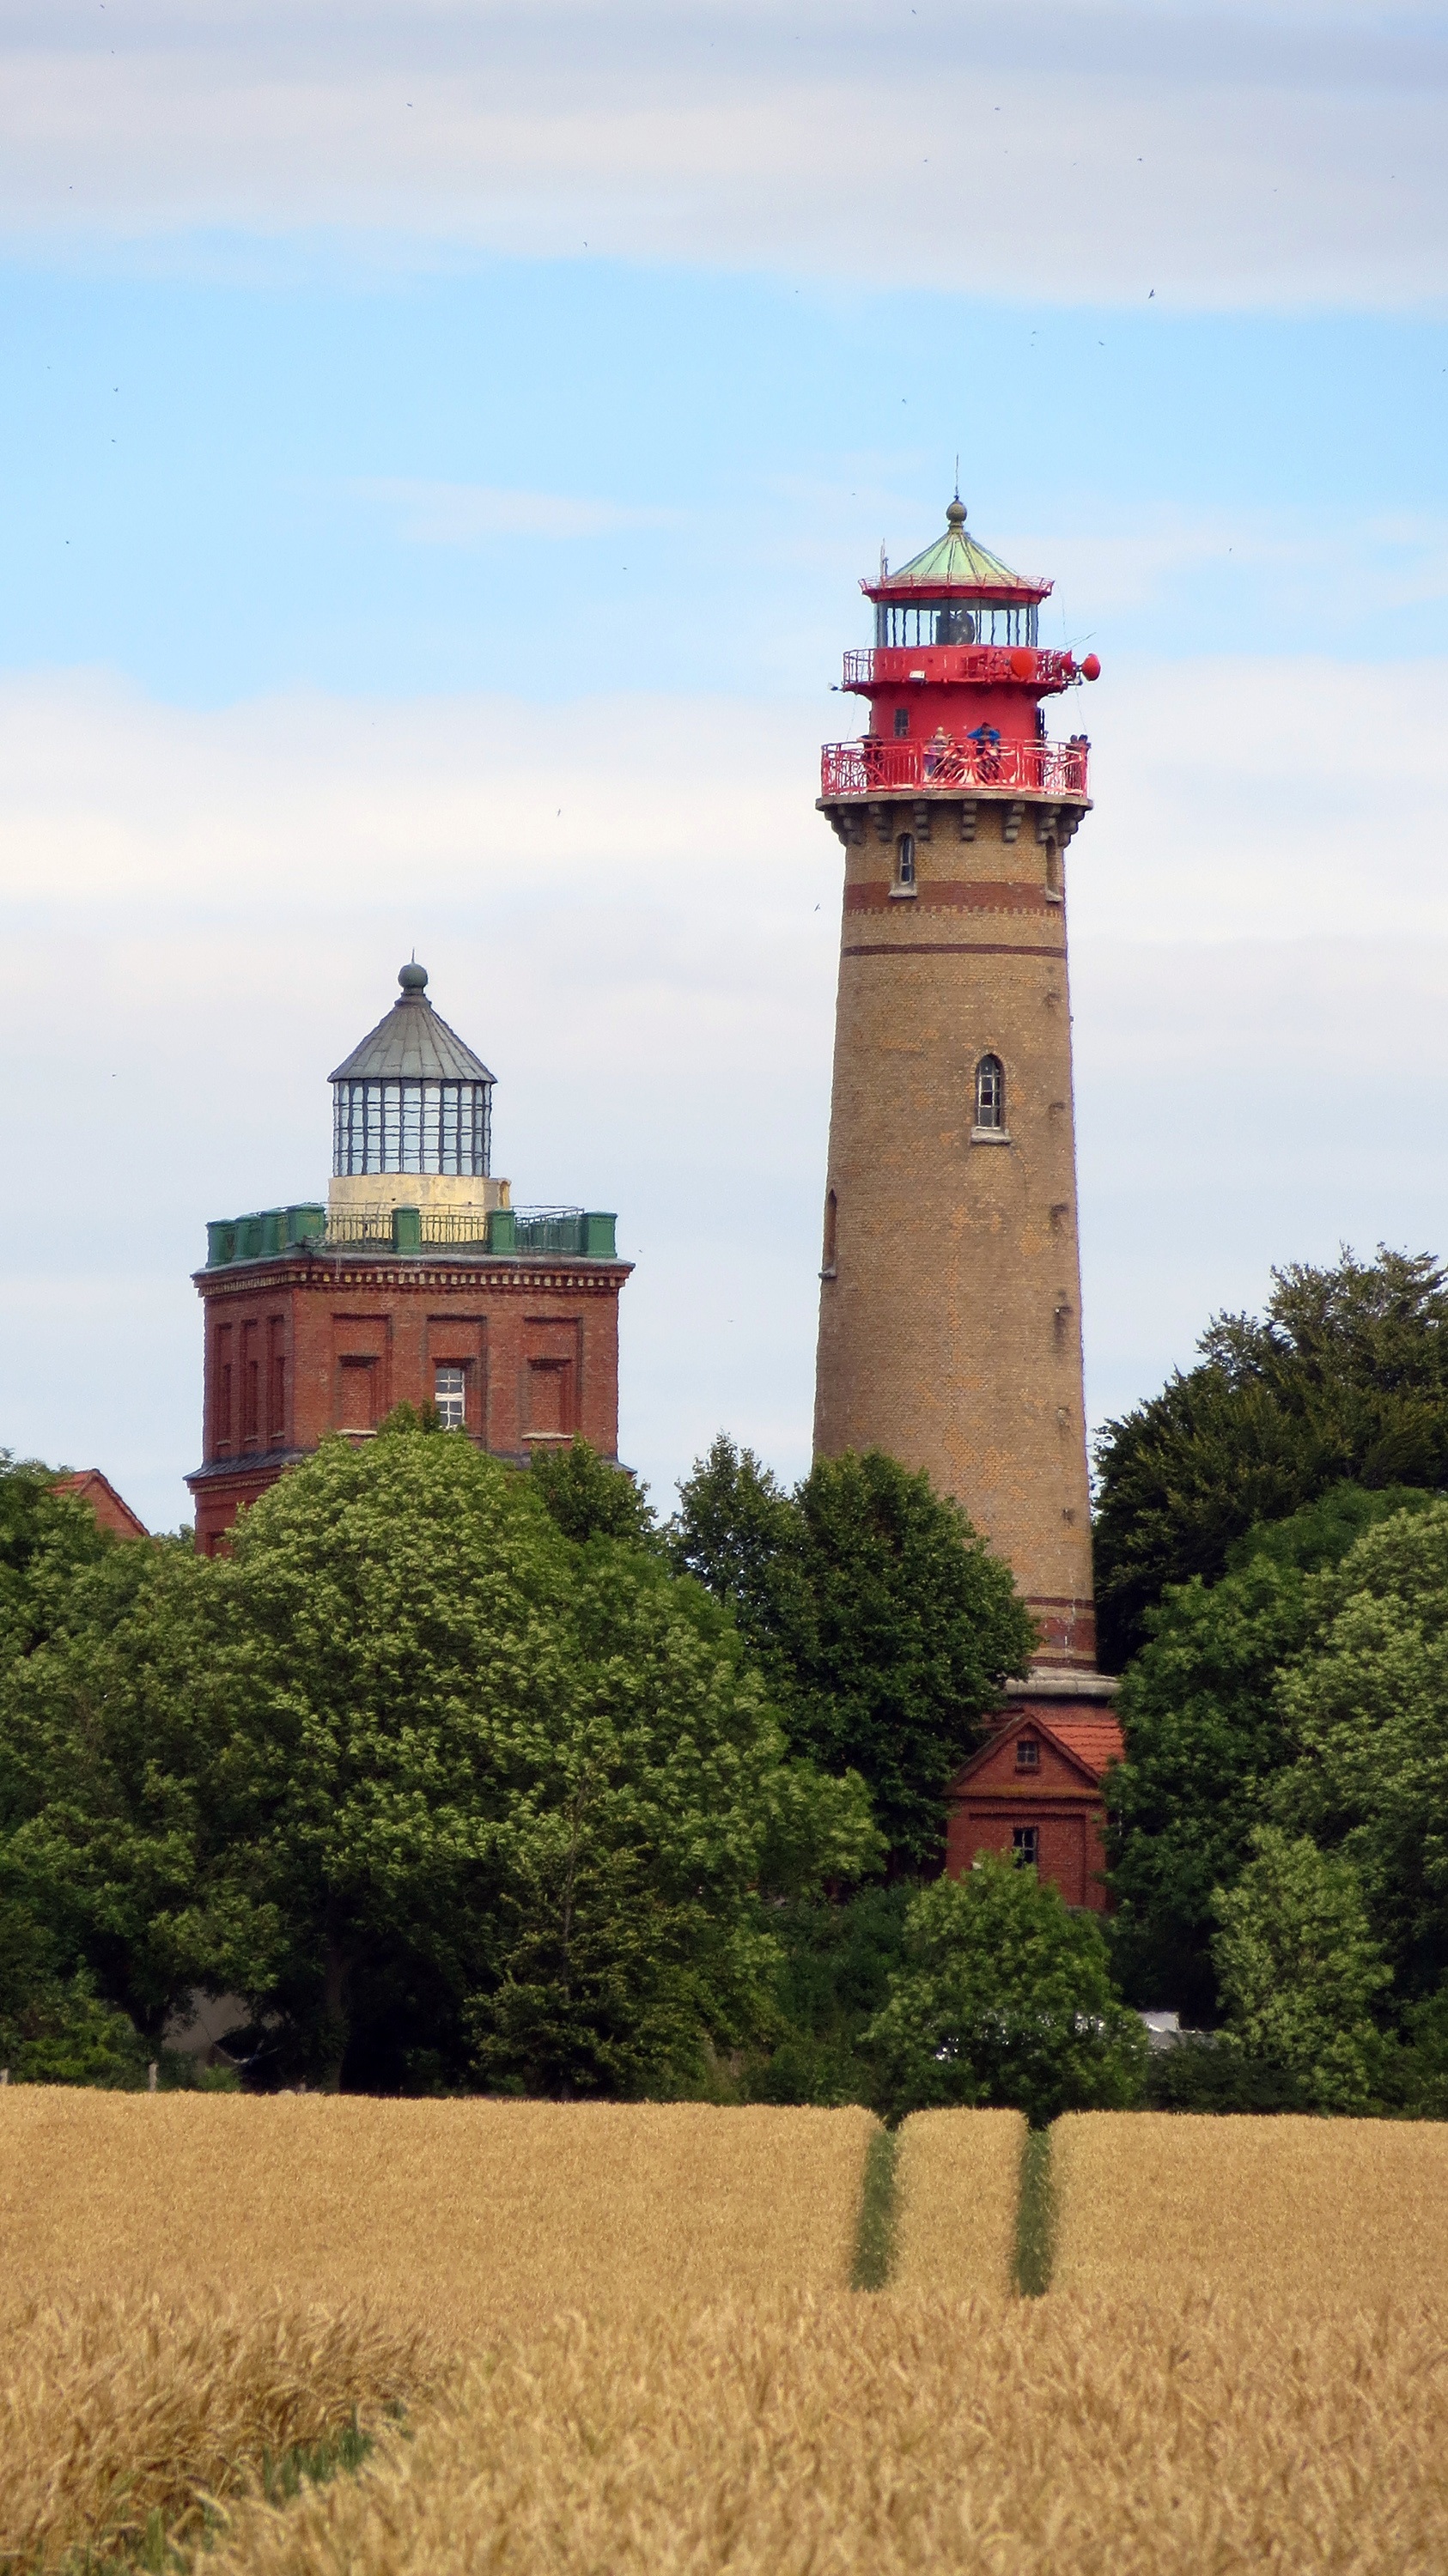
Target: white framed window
x,y
1028,1753
1026,1844
449,1394
905,861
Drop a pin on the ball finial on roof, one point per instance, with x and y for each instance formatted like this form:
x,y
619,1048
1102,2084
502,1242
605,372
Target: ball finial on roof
x,y
413,978
955,514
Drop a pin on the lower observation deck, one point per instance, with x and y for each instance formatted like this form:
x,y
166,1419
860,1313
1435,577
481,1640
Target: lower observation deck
x,y
874,768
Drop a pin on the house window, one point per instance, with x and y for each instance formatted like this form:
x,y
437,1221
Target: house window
x,y
990,1093
902,723
1026,1844
449,1394
905,860
1028,1753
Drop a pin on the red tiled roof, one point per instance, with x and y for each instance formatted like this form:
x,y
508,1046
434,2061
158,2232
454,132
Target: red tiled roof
x,y
1094,1740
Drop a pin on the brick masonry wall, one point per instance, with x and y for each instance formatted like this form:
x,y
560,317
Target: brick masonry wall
x,y
304,1346
950,1332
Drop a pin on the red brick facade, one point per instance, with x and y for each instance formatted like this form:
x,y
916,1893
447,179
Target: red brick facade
x,y
1040,1775
310,1342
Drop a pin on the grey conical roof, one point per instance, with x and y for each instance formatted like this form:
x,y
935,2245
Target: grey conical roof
x,y
412,1044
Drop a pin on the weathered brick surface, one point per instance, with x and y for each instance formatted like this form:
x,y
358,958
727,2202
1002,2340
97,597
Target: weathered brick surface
x,y
950,1330
311,1343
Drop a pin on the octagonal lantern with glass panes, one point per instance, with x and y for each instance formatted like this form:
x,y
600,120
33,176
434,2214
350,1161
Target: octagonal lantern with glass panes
x,y
412,1120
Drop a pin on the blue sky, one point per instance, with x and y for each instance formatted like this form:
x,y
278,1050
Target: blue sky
x,y
380,565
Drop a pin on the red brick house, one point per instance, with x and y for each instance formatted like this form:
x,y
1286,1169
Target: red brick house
x,y
1036,1789
418,1282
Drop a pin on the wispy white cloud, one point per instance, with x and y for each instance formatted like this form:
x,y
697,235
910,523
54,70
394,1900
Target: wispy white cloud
x,y
1082,150
464,514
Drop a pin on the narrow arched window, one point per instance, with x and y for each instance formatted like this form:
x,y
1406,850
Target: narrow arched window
x,y
1053,871
831,1215
990,1092
905,859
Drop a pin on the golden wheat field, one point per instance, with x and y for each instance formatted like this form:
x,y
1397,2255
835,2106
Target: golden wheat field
x,y
905,2433
117,2408
461,2217
625,2345
1348,2211
957,2179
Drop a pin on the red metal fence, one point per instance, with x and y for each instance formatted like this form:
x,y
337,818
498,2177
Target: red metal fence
x,y
890,665
1035,768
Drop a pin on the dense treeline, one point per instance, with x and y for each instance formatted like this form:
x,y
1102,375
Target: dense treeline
x,y
460,1776
464,1777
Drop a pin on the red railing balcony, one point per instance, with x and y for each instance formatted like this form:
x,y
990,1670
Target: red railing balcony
x,y
885,666
873,768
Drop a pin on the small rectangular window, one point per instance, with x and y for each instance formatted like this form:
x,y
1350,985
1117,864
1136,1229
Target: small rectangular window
x,y
1028,1753
905,859
450,1396
1026,1843
902,722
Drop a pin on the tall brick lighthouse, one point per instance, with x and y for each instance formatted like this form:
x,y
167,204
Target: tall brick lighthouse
x,y
950,1305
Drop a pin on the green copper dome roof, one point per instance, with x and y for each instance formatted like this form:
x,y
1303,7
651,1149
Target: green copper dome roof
x,y
958,561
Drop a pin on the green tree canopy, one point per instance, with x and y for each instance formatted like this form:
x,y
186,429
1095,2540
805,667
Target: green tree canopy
x,y
432,1785
1343,1380
1367,1710
1005,1997
1300,1970
45,1538
1206,1737
590,1499
884,1626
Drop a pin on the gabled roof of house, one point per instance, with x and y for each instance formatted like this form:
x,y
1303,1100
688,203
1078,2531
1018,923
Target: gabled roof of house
x,y
113,1513
1087,1743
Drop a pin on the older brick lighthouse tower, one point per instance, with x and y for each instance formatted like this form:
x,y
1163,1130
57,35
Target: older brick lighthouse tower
x,y
950,1306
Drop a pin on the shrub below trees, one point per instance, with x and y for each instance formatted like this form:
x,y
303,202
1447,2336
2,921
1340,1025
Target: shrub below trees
x,y
1005,1997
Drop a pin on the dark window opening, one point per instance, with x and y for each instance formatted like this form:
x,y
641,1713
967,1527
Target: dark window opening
x,y
1028,1753
1026,1844
905,859
831,1216
902,721
990,1093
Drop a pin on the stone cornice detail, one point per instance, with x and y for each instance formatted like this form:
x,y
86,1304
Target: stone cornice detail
x,y
326,1273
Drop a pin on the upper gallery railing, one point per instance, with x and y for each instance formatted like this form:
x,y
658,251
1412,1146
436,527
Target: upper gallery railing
x,y
587,1234
1034,768
886,665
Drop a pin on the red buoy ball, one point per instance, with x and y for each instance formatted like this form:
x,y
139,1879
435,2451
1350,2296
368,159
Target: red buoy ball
x,y
1023,664
1091,668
